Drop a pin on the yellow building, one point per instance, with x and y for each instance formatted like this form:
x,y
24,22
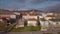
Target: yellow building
x,y
49,17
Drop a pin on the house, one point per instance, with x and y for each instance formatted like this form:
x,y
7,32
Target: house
x,y
9,16
44,14
49,13
31,18
40,16
52,23
55,21
31,14
32,22
44,25
24,14
49,17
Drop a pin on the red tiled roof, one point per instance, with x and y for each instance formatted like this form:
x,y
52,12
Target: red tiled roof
x,y
32,14
32,19
50,16
4,17
24,13
8,12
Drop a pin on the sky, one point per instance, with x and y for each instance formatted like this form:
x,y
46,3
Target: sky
x,y
44,5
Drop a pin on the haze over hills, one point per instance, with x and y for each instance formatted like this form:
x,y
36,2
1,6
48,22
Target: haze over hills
x,y
43,5
22,10
2,10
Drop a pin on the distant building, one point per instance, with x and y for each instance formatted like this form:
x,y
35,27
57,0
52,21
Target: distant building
x,y
7,15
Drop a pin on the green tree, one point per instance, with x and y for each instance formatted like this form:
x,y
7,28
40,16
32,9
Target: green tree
x,y
38,21
25,23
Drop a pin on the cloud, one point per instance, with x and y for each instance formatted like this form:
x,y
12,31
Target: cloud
x,y
1,3
21,1
14,6
38,1
53,7
23,4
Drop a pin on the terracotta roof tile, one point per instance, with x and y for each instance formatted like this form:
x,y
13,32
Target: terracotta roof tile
x,y
32,19
50,16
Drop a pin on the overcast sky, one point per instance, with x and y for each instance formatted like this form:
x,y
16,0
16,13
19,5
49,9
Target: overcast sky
x,y
44,5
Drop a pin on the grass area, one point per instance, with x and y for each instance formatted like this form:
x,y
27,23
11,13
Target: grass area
x,y
26,28
4,28
58,32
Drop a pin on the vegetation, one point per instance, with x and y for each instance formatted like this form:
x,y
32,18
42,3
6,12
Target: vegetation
x,y
3,26
58,32
25,23
26,28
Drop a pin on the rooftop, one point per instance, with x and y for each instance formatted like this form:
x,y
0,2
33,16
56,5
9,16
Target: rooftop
x,y
32,19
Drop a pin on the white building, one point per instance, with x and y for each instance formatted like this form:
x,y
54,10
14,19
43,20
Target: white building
x,y
13,16
31,18
44,25
32,22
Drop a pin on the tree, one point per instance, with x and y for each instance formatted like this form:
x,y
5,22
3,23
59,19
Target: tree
x,y
38,22
25,23
19,16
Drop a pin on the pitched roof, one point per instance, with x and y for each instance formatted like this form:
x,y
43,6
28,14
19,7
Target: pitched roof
x,y
54,20
50,16
32,19
4,17
24,13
